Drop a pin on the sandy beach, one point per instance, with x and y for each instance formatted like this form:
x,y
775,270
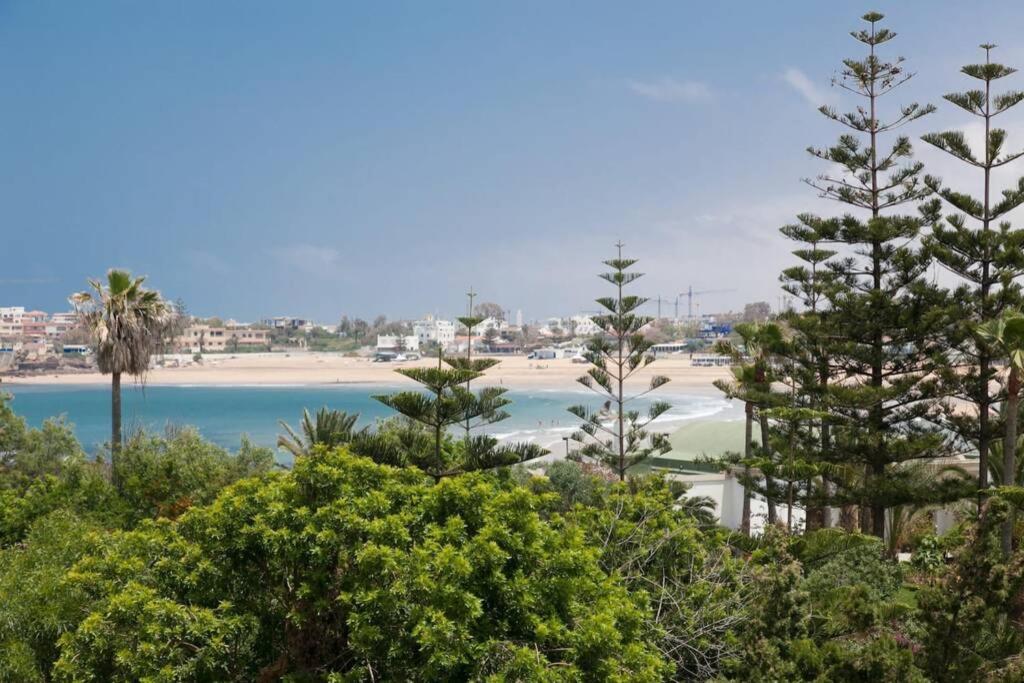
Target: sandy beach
x,y
280,369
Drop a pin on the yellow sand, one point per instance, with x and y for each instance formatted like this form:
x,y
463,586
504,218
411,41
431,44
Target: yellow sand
x,y
515,372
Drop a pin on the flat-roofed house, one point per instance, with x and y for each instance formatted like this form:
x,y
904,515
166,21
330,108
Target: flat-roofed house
x,y
214,339
33,325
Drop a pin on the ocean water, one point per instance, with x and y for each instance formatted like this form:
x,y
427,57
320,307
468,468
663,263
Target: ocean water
x,y
223,414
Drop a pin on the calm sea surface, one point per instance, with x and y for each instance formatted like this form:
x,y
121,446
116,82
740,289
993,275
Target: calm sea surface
x,y
224,414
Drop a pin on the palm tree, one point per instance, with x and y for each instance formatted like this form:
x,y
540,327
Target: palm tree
x,y
1006,334
995,463
329,428
701,508
121,317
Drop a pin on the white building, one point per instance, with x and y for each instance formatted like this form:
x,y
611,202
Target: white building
x,y
60,324
394,342
490,323
11,319
285,322
727,493
584,326
577,325
431,330
519,317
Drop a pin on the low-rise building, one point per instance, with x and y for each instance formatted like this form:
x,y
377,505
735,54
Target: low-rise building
x,y
286,322
398,342
583,326
431,330
60,324
213,339
505,348
33,325
10,320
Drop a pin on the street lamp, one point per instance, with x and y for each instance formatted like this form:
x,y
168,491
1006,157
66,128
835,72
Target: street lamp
x,y
566,440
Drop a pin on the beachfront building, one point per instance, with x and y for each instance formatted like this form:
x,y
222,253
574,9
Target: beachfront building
x,y
505,348
60,324
10,321
213,339
398,342
33,325
575,326
286,322
17,323
430,330
583,326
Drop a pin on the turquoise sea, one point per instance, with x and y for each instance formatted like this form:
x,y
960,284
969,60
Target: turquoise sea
x,y
223,414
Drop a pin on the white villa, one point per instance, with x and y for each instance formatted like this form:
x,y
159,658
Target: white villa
x,y
432,330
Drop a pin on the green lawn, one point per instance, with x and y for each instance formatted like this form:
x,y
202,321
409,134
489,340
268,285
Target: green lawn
x,y
706,439
694,442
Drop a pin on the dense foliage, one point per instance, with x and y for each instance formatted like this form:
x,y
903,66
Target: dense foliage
x,y
406,552
215,566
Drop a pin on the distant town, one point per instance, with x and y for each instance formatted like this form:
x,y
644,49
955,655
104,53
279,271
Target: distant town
x,y
37,341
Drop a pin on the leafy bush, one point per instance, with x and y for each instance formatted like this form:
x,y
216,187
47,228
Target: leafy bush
x,y
862,566
164,476
36,606
359,571
927,557
572,483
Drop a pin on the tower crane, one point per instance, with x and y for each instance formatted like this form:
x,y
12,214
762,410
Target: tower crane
x,y
689,294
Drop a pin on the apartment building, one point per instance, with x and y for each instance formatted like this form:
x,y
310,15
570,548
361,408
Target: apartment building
x,y
10,321
213,339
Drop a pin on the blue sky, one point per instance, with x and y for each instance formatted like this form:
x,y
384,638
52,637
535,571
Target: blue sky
x,y
319,158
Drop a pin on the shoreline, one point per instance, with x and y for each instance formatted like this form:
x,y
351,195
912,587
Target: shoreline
x,y
324,369
319,371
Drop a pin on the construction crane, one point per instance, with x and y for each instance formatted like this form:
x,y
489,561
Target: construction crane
x,y
660,301
689,294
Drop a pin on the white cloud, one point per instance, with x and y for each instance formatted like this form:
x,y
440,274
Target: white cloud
x,y
799,81
672,90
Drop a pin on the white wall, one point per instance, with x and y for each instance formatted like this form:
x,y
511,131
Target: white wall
x,y
727,493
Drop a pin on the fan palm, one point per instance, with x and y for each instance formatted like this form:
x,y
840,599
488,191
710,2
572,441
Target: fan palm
x,y
329,428
702,509
121,316
1006,334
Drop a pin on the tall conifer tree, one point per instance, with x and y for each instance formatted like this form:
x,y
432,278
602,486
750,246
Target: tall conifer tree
x,y
615,356
483,451
812,283
883,309
754,372
983,250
